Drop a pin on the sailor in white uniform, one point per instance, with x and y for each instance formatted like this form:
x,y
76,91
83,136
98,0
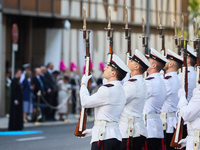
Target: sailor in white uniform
x,y
26,67
190,111
131,124
169,107
156,97
191,61
108,103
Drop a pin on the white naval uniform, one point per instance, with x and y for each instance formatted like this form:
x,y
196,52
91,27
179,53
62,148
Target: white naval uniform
x,y
191,81
22,77
136,94
170,105
108,103
156,97
191,114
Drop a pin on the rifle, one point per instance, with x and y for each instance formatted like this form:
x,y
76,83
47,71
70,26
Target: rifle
x,y
145,43
177,40
81,126
110,32
197,49
162,35
179,129
128,37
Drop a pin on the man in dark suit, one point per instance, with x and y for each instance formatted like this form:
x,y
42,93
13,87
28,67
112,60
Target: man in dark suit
x,y
53,86
16,104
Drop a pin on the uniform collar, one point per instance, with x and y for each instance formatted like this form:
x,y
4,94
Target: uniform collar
x,y
154,74
114,82
137,76
171,74
190,68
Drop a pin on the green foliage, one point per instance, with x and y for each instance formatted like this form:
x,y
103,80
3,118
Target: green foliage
x,y
194,8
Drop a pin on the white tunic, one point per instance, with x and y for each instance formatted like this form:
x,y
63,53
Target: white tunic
x,y
156,97
22,77
191,114
170,105
136,94
191,81
108,103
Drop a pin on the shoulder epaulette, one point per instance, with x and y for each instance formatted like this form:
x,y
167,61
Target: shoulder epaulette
x,y
108,85
149,78
167,77
132,80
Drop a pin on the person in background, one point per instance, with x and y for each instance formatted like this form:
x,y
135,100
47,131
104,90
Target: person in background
x,y
62,95
100,79
8,91
53,85
16,104
25,67
27,95
63,70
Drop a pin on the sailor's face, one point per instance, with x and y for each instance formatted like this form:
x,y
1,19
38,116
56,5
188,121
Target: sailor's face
x,y
166,66
107,72
131,64
151,62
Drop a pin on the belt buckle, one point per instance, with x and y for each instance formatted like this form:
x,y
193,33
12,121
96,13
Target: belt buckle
x,y
102,130
196,140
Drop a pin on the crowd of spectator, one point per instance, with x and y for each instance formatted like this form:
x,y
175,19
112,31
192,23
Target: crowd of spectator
x,y
22,99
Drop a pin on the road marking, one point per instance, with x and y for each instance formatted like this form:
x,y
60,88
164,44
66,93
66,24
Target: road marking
x,y
19,132
31,138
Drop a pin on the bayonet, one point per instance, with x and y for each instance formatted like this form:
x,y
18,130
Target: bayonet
x,y
110,36
162,34
160,25
126,25
197,34
194,26
84,25
175,34
182,33
127,36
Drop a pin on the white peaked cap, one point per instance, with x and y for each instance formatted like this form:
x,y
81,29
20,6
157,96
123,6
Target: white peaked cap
x,y
118,64
173,56
26,65
141,59
157,56
191,52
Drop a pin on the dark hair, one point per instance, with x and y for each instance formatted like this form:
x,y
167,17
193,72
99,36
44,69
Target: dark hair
x,y
49,64
141,69
28,74
56,72
66,77
120,74
17,70
192,61
160,66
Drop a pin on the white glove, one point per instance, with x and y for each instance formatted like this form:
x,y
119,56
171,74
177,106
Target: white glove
x,y
181,92
85,79
87,132
183,143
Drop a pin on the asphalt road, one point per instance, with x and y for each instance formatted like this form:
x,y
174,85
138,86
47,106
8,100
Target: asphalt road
x,y
52,138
